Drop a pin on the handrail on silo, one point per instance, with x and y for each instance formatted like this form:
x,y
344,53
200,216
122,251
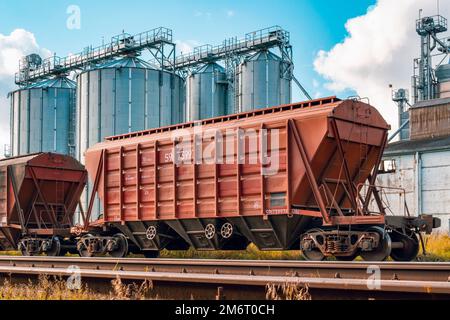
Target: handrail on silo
x,y
54,65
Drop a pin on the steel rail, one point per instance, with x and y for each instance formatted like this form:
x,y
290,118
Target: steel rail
x,y
427,287
245,279
414,271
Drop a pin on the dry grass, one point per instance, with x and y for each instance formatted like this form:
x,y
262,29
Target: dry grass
x,y
287,291
50,288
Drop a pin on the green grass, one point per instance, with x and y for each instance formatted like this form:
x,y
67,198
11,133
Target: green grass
x,y
251,253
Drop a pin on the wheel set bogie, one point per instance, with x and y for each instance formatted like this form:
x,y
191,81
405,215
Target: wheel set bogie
x,y
376,243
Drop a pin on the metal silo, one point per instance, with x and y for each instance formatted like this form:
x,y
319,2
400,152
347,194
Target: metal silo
x,y
262,80
42,117
443,78
122,96
207,92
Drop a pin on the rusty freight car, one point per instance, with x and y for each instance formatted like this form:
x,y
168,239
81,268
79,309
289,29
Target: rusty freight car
x,y
38,197
288,177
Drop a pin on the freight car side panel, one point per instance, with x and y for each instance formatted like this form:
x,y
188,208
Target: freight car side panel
x,y
188,190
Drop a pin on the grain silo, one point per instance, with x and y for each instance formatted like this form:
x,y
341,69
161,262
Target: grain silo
x,y
443,78
42,117
122,96
207,92
262,80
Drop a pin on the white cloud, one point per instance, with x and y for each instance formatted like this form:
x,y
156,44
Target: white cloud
x,y
186,46
12,47
231,13
379,50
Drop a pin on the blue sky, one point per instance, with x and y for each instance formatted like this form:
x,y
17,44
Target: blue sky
x,y
314,24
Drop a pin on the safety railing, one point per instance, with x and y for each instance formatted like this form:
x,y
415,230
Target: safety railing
x,y
119,44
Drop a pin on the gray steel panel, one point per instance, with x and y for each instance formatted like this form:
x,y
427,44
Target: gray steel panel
x,y
23,123
107,109
152,101
136,110
207,94
260,83
122,96
40,119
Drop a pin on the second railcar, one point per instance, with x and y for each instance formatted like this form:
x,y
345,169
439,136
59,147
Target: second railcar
x,y
38,197
298,176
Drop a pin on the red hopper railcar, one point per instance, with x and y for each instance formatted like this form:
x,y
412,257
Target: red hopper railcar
x,y
289,177
38,197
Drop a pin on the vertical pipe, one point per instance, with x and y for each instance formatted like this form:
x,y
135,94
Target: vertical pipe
x,y
267,81
28,121
99,107
418,169
55,120
146,100
129,99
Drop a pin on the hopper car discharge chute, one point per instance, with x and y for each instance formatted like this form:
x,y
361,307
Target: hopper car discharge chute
x,y
297,176
38,197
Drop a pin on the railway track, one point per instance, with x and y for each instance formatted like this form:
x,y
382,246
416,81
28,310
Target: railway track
x,y
236,279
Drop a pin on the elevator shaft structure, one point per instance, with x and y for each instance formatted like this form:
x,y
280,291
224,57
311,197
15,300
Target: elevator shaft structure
x,y
424,84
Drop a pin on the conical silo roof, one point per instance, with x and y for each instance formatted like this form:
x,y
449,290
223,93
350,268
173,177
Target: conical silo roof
x,y
126,62
210,68
264,55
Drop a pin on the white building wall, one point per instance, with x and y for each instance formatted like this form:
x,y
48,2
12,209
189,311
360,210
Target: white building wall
x,y
425,178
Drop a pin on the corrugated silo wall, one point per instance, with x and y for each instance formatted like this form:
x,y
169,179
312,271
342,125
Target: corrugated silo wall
x,y
207,95
260,84
41,120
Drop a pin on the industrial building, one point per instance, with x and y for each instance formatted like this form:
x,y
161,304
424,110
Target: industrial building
x,y
416,169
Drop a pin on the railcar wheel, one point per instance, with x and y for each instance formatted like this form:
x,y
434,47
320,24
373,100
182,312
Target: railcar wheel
x,y
151,254
83,251
151,233
384,248
210,231
121,248
410,248
24,249
311,253
55,248
226,231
